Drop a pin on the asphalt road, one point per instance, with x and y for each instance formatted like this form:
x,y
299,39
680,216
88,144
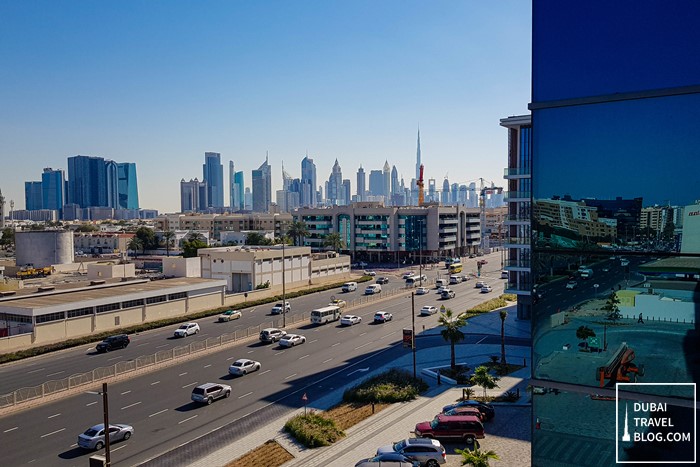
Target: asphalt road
x,y
157,404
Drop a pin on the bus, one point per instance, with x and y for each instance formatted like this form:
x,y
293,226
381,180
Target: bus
x,y
455,268
325,314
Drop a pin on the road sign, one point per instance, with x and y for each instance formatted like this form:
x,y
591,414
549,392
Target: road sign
x,y
304,398
408,338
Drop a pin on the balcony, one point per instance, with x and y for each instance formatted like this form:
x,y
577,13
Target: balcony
x,y
452,230
515,242
511,196
518,172
517,265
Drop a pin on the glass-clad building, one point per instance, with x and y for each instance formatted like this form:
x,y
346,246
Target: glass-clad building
x,y
615,257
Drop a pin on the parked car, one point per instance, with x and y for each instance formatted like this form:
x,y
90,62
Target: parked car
x,y
382,317
272,335
338,302
290,340
422,290
390,459
428,310
504,274
243,366
277,309
187,329
349,320
94,437
571,285
486,288
466,410
120,341
382,280
208,392
447,294
429,452
229,315
462,427
484,407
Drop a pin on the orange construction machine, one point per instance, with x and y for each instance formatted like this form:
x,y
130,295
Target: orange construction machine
x,y
619,367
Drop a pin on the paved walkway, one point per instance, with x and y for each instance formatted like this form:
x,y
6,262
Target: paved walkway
x,y
512,421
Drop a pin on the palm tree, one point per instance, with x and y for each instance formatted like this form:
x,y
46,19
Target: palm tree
x,y
477,457
197,237
298,230
611,306
504,315
451,332
135,244
168,237
334,241
484,379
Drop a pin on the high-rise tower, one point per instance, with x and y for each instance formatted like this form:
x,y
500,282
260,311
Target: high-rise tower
x,y
308,182
361,184
262,187
418,161
213,173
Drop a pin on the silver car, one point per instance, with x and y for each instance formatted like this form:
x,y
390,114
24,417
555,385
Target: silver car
x,y
208,392
429,452
94,438
243,366
394,459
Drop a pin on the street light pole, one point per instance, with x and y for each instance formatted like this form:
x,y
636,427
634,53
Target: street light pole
x,y
413,332
284,297
105,410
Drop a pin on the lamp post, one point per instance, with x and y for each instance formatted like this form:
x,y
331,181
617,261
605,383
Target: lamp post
x,y
413,331
420,262
284,298
105,409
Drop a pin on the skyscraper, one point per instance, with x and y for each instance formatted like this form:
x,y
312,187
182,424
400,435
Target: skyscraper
x,y
2,211
395,187
346,191
32,196
236,195
240,191
308,182
334,192
262,187
386,182
112,187
193,195
127,186
361,180
53,189
445,195
87,181
418,161
213,172
376,183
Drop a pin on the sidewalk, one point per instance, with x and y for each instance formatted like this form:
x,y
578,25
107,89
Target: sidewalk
x,y
512,421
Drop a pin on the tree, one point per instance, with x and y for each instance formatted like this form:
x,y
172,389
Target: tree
x,y
190,247
256,238
611,306
8,237
503,314
484,379
196,237
135,244
298,230
451,332
147,237
168,237
334,241
87,228
477,457
583,333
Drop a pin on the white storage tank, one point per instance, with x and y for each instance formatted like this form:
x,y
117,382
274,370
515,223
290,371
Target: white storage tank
x,y
42,248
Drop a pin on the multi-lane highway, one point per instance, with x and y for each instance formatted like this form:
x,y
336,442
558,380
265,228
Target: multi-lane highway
x,y
158,403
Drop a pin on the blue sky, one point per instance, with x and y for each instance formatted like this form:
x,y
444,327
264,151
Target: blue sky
x,y
159,83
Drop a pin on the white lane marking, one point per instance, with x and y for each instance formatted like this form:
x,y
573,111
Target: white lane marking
x,y
125,392
337,343
117,449
53,374
11,429
363,334
157,413
91,403
311,342
251,351
154,383
76,445
290,376
113,358
188,385
387,335
300,358
53,433
244,395
266,371
34,371
187,419
131,405
368,343
207,366
54,415
230,358
326,361
159,346
340,330
481,340
182,374
279,353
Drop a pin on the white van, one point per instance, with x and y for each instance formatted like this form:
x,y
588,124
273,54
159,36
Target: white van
x,y
415,280
455,279
373,289
440,283
349,287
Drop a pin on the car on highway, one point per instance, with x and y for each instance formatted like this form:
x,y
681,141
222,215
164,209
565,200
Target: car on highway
x,y
94,437
485,408
408,274
428,310
382,317
479,284
429,452
422,290
382,280
373,289
441,289
486,288
120,341
392,459
269,335
349,287
370,273
338,302
208,392
243,366
571,285
187,329
290,340
229,315
349,320
277,309
447,294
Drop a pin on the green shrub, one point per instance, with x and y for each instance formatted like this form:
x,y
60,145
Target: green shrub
x,y
313,430
394,385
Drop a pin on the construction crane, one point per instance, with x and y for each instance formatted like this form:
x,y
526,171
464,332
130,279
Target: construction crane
x,y
420,184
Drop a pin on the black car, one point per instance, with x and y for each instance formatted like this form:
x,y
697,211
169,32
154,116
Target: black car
x,y
119,341
382,280
486,409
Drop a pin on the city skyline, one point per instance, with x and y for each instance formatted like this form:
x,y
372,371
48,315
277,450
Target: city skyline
x,y
354,86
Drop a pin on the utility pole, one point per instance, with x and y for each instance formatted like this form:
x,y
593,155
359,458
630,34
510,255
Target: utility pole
x,y
413,331
284,297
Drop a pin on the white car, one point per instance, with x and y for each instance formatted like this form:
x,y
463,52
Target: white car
x,y
428,310
349,320
408,274
277,309
441,289
382,317
229,315
243,366
422,290
479,284
338,302
187,329
370,273
290,340
486,288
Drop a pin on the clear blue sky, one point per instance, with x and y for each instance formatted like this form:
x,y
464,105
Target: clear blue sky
x,y
159,83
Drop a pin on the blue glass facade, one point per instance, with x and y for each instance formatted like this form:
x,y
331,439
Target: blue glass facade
x,y
87,181
128,192
53,187
213,173
32,196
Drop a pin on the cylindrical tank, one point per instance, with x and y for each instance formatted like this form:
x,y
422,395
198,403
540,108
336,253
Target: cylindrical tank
x,y
42,248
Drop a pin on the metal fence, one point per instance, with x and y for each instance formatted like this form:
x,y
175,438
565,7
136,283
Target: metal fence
x,y
48,388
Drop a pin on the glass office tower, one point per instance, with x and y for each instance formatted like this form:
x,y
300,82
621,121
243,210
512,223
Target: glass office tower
x,y
615,250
